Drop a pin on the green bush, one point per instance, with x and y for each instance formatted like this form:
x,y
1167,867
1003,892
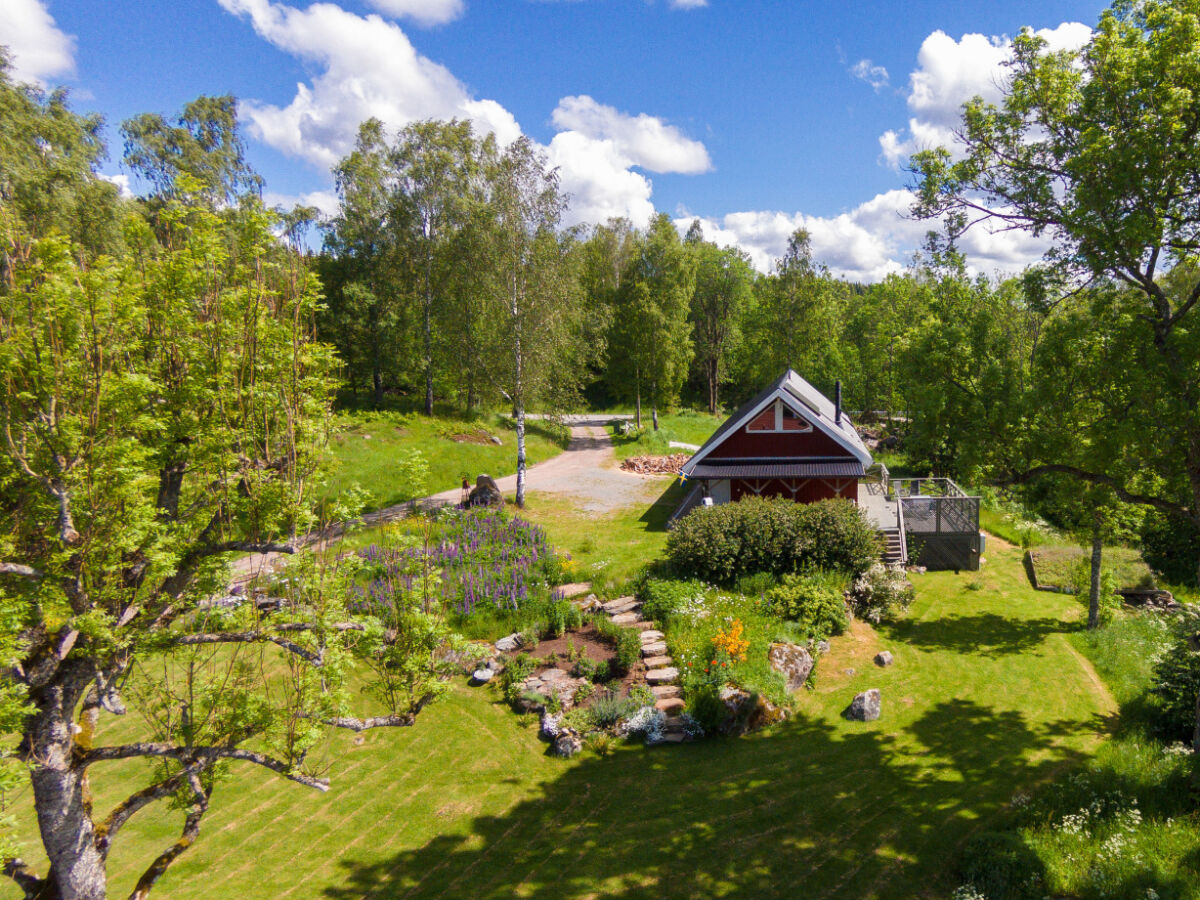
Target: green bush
x,y
1081,581
724,543
881,594
560,615
1177,684
663,598
814,601
705,706
1001,866
516,670
609,708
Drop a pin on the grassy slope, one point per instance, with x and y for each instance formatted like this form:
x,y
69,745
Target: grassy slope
x,y
985,698
370,461
685,426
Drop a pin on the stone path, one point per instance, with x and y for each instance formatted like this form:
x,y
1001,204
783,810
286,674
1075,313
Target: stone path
x,y
661,673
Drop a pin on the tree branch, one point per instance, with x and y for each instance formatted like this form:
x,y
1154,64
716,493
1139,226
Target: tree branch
x,y
189,755
124,811
1106,480
7,568
249,637
392,721
191,830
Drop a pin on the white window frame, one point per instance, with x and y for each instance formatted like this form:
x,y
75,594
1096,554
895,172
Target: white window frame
x,y
779,429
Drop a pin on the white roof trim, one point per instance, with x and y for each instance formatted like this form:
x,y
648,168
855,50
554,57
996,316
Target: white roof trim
x,y
798,399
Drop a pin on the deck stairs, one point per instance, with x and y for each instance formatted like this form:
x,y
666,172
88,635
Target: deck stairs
x,y
893,551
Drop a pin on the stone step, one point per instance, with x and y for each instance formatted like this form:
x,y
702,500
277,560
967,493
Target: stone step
x,y
625,618
670,705
664,691
656,648
673,725
657,662
642,625
619,605
662,676
674,737
650,635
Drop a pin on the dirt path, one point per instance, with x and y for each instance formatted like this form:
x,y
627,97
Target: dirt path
x,y
587,470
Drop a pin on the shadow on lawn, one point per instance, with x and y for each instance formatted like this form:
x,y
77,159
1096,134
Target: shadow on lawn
x,y
988,634
656,515
801,810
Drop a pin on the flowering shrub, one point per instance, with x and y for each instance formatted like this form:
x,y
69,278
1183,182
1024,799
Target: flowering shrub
x,y
729,641
881,594
473,559
815,602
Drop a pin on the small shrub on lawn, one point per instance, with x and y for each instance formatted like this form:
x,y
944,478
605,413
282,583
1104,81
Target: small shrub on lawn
x,y
881,594
725,543
516,670
815,601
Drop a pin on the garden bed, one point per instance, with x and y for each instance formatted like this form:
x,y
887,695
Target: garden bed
x,y
1054,568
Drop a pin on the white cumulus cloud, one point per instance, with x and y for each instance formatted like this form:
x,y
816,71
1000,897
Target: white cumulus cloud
x,y
39,49
688,4
642,140
866,243
949,73
368,67
423,12
122,183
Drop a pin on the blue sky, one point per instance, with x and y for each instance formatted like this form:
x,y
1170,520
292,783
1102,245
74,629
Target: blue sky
x,y
758,117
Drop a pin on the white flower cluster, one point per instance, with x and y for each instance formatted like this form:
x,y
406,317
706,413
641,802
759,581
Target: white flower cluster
x,y
968,892
647,722
1178,749
691,727
1112,810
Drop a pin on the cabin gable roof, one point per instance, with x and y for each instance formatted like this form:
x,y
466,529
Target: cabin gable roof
x,y
803,399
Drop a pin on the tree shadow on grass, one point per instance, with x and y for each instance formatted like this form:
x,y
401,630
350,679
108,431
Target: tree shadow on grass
x,y
987,634
802,810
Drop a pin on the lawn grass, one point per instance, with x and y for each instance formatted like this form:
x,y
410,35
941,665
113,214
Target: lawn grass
x,y
987,697
686,426
365,447
1055,565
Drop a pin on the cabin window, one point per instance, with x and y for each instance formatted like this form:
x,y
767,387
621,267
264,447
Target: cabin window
x,y
777,418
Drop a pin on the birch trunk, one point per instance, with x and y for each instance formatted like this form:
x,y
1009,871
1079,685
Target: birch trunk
x,y
1094,593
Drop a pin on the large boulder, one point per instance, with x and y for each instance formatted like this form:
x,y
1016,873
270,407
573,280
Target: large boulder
x,y
794,661
485,493
508,644
865,707
747,712
884,658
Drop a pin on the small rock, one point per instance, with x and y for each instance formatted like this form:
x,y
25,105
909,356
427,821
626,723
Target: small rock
x,y
551,675
495,440
567,744
793,661
482,676
883,658
865,707
508,644
822,647
848,671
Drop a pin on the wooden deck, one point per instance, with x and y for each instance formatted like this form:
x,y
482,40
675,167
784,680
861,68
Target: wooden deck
x,y
874,502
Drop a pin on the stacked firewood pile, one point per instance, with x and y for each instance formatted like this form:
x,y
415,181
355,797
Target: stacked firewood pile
x,y
656,465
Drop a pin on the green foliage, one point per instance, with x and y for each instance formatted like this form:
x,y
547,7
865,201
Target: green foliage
x,y
663,598
609,708
1177,684
704,704
1002,867
626,643
1081,583
516,670
815,601
561,616
881,594
1171,546
723,543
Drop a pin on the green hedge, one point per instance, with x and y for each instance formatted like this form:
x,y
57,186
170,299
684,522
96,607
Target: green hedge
x,y
721,544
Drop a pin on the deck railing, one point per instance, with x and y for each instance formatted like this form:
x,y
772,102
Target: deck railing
x,y
935,506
